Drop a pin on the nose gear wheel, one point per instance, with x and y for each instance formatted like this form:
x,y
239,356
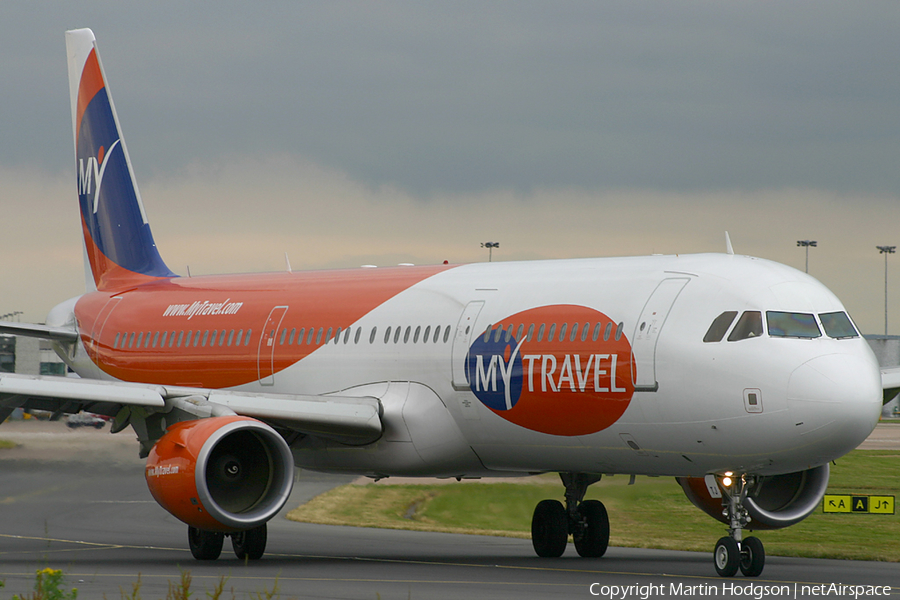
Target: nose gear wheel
x,y
732,552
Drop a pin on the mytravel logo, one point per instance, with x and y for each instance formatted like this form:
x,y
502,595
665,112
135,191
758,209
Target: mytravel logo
x,y
562,370
90,174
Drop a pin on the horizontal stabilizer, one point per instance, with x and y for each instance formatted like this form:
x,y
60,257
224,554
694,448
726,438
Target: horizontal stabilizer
x,y
45,332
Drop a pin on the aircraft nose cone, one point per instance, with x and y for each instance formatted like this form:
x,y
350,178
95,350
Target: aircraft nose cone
x,y
835,401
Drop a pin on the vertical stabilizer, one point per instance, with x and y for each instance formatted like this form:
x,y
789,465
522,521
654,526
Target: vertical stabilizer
x,y
118,244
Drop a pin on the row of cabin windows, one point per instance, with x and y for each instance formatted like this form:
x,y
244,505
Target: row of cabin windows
x,y
314,336
577,331
202,339
177,339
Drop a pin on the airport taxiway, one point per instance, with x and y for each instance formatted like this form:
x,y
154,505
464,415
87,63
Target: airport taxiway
x,y
77,501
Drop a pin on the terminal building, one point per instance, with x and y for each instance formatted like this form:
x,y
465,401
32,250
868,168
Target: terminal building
x,y
29,356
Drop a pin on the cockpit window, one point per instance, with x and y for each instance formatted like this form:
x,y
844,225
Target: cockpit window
x,y
788,324
748,326
720,326
838,325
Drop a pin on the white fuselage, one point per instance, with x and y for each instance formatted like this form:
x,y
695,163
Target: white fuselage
x,y
657,401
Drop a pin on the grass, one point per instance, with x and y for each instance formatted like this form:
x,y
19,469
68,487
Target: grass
x,y
653,513
6,445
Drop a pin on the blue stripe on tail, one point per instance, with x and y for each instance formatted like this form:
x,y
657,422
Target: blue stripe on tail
x,y
108,196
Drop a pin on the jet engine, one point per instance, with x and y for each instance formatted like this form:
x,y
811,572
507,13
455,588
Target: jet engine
x,y
222,474
772,502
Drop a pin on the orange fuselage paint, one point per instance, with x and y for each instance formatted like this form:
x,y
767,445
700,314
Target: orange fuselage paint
x,y
123,329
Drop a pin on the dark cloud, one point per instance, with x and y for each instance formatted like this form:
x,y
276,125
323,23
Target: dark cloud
x,y
467,96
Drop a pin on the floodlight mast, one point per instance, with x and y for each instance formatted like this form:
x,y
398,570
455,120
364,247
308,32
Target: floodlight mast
x,y
886,250
490,246
806,244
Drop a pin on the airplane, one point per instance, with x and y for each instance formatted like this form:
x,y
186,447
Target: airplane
x,y
741,377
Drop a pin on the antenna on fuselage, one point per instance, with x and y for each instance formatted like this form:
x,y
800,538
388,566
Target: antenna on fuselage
x,y
728,247
287,263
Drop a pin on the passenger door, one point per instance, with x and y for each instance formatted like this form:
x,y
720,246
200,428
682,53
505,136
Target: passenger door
x,y
267,341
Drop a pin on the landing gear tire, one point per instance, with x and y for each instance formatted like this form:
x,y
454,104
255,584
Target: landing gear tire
x,y
549,529
727,557
205,545
753,557
250,544
593,539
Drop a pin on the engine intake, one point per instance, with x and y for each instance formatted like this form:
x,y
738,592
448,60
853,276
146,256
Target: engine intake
x,y
773,503
221,474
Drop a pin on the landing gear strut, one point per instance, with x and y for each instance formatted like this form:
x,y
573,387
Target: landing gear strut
x,y
586,520
732,552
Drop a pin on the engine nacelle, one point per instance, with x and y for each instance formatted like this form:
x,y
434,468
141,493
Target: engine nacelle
x,y
222,473
772,503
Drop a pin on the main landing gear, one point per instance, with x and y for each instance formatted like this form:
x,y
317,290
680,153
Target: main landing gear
x,y
586,520
732,552
207,545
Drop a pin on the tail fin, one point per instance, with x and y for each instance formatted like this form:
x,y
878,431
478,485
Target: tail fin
x,y
119,247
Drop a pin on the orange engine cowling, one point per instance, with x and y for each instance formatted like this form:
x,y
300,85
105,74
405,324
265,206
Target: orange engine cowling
x,y
775,502
222,473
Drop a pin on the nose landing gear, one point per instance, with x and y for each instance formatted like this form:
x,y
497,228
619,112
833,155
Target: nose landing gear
x,y
732,552
586,520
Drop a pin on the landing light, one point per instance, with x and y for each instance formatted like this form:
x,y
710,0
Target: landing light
x,y
726,481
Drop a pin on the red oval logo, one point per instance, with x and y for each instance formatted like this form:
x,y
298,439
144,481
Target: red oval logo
x,y
562,370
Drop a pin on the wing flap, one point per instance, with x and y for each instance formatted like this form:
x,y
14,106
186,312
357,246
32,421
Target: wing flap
x,y
347,419
352,420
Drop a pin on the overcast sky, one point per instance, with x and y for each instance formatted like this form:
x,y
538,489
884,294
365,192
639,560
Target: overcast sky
x,y
385,132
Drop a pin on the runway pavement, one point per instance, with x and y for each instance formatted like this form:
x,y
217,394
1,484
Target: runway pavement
x,y
77,501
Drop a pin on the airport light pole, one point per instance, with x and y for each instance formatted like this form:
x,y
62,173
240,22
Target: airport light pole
x,y
885,250
806,244
490,246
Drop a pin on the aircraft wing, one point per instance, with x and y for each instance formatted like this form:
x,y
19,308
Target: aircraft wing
x,y
345,418
890,382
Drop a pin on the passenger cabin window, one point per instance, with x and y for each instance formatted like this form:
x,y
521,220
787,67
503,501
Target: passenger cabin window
x,y
838,325
720,326
748,326
795,325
